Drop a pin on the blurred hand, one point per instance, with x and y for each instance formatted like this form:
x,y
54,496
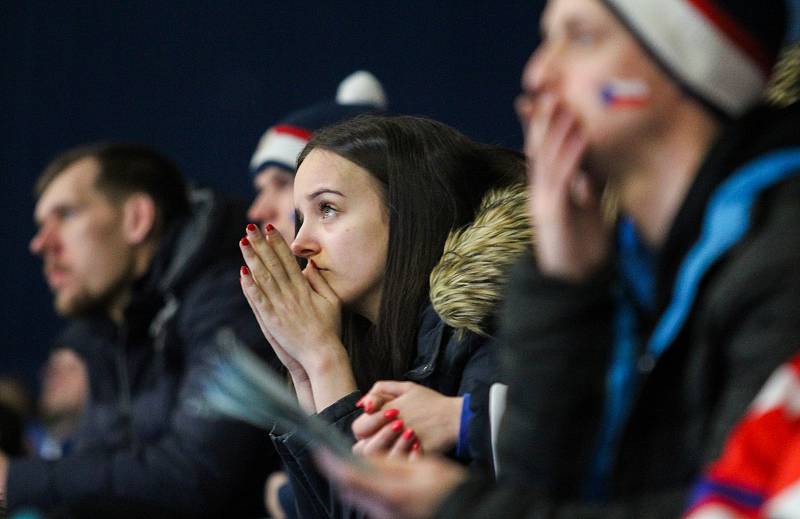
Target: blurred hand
x,y
572,235
271,499
390,488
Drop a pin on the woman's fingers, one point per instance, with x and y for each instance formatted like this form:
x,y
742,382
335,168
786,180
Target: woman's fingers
x,y
261,258
384,439
255,296
258,304
368,424
416,451
319,283
373,402
390,388
258,287
404,444
283,253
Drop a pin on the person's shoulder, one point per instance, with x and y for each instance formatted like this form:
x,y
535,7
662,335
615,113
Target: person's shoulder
x,y
204,242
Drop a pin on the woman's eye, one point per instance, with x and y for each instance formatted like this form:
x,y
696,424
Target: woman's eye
x,y
326,210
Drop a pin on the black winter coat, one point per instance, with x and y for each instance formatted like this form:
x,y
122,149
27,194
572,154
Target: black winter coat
x,y
142,450
455,350
556,347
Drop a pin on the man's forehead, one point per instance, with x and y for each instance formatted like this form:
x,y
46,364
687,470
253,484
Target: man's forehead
x,y
565,11
74,184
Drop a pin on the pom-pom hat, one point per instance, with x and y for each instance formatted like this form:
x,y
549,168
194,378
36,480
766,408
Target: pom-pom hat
x,y
719,51
358,93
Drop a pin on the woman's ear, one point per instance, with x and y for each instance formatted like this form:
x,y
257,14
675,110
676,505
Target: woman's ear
x,y
138,218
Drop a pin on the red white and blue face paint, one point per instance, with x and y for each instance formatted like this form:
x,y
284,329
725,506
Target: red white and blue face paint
x,y
625,93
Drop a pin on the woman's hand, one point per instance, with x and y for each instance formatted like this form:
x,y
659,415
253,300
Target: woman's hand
x,y
394,408
299,314
572,235
393,440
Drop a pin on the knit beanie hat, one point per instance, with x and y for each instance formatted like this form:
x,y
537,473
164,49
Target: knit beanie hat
x,y
720,51
358,93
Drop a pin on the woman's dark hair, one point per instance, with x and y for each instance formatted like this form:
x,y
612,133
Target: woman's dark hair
x,y
433,179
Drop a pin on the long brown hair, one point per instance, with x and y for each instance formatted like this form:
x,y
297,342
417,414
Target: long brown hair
x,y
433,179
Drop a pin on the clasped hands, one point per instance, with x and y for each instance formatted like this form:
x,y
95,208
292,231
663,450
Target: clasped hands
x,y
400,418
300,316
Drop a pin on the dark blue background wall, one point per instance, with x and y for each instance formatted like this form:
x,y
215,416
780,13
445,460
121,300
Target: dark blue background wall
x,y
201,80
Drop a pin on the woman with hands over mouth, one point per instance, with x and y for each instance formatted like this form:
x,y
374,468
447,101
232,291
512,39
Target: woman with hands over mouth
x,y
385,206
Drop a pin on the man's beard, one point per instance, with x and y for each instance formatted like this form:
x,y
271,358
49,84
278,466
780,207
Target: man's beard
x,y
82,305
85,304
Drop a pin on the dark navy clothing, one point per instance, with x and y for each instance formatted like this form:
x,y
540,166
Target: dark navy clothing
x,y
621,388
450,364
142,444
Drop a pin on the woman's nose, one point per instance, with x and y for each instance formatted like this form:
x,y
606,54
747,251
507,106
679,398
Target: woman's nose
x,y
304,244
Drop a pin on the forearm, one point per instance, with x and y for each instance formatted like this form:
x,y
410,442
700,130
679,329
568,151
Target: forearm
x,y
303,391
330,375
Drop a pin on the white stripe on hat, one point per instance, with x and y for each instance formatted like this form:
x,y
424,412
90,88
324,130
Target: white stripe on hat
x,y
280,147
696,50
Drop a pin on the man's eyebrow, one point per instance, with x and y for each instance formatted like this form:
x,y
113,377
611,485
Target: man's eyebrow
x,y
322,191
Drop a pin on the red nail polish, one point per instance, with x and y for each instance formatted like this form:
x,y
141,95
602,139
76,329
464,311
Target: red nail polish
x,y
408,434
251,227
270,227
397,425
391,414
415,446
368,406
244,241
244,270
360,402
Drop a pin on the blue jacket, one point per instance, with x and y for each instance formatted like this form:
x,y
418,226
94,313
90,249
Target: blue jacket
x,y
141,445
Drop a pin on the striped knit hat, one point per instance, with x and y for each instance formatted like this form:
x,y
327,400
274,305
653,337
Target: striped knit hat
x,y
358,93
720,51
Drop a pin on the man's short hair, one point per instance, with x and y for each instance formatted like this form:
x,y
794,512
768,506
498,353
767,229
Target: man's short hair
x,y
125,169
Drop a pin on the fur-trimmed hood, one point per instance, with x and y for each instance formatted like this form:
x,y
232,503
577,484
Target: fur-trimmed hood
x,y
467,284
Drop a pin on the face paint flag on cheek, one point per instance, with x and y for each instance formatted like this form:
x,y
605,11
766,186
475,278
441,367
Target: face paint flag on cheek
x,y
624,93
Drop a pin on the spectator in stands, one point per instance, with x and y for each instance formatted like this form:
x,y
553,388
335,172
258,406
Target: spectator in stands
x,y
62,398
378,198
631,352
145,270
275,159
273,168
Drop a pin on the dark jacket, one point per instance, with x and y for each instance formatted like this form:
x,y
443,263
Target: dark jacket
x,y
141,446
720,317
454,344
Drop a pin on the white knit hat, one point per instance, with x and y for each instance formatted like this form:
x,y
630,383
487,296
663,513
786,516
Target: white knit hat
x,y
358,93
720,51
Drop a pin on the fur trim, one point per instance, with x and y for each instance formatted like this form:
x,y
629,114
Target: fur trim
x,y
467,284
784,87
